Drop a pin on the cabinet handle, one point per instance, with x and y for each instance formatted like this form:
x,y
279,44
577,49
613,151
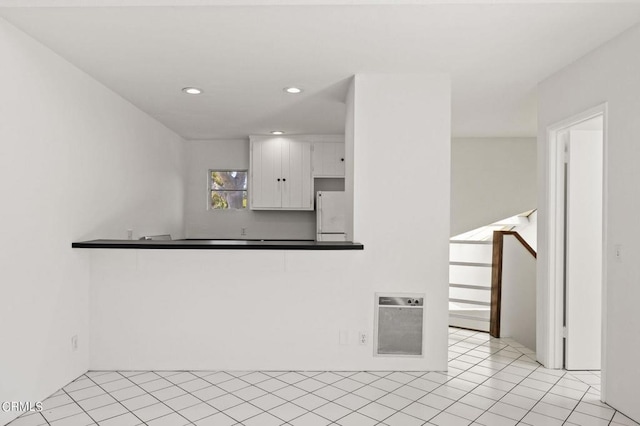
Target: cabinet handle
x,y
278,179
284,179
342,159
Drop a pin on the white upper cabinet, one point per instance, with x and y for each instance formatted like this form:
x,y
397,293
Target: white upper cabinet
x,y
265,189
280,170
328,159
297,185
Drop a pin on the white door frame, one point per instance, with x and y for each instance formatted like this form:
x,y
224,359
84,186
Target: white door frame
x,y
550,327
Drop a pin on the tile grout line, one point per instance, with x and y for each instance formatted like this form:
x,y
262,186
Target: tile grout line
x,y
328,401
554,384
73,402
232,393
312,411
566,421
151,395
266,393
549,392
506,392
82,408
109,393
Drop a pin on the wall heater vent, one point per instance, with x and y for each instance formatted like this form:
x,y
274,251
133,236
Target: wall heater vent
x,y
398,325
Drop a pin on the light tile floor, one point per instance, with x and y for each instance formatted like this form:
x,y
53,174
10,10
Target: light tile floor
x,y
491,382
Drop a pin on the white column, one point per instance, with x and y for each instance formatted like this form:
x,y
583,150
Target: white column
x,y
398,135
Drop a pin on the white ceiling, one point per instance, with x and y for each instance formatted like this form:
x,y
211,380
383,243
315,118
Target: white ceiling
x,y
243,56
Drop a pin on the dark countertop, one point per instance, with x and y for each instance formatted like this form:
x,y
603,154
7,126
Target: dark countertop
x,y
219,245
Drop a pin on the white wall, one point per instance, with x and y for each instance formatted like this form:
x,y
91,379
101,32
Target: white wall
x,y
349,152
401,161
491,178
529,231
518,307
205,155
246,310
233,309
608,74
76,162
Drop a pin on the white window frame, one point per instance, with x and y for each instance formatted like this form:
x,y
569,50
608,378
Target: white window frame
x,y
210,190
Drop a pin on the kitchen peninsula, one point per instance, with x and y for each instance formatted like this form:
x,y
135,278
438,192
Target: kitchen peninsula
x,y
279,300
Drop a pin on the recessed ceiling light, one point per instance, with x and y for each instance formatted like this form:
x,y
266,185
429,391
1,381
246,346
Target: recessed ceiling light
x,y
192,90
293,90
277,132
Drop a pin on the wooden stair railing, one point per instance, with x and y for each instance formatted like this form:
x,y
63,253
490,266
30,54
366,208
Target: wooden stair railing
x,y
496,277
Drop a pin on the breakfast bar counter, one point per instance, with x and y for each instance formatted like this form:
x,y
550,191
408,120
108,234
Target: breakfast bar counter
x,y
197,244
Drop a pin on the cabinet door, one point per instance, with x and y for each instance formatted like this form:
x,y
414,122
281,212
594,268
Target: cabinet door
x,y
339,159
318,159
328,159
266,174
297,191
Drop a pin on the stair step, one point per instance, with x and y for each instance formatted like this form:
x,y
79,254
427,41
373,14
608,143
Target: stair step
x,y
470,242
469,317
467,294
470,276
479,253
483,265
470,286
470,324
470,302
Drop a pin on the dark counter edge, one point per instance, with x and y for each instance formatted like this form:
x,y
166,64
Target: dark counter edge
x,y
217,245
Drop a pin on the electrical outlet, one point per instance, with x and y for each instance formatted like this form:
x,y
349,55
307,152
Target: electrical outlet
x,y
74,343
243,231
363,338
618,252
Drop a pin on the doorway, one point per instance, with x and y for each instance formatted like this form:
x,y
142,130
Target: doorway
x,y
583,164
574,300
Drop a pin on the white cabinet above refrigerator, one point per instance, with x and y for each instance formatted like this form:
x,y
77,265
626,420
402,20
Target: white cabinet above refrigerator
x,y
328,160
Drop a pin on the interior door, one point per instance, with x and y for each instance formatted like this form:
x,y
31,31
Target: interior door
x,y
583,256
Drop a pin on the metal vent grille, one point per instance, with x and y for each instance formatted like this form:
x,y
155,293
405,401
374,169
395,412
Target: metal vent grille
x,y
399,325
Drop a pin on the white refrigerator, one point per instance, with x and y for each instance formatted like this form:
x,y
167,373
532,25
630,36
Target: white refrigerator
x,y
330,216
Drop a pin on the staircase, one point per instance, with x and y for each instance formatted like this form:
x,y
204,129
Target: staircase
x,y
470,284
470,265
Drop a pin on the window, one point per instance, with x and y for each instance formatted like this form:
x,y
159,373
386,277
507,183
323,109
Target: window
x,y
228,189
